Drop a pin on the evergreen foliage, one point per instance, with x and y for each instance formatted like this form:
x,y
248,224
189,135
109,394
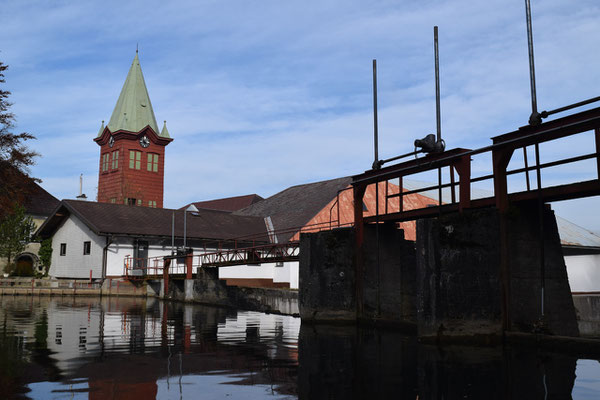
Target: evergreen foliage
x,y
16,229
15,157
45,253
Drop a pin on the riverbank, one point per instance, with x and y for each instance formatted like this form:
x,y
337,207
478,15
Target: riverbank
x,y
268,300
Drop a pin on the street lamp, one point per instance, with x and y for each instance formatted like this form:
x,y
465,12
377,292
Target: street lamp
x,y
191,208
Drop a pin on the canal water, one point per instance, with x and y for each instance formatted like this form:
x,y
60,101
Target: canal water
x,y
133,348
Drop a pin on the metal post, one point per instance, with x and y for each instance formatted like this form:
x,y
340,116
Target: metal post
x,y
173,233
358,194
375,129
184,228
526,168
166,266
188,264
535,117
437,84
597,140
541,230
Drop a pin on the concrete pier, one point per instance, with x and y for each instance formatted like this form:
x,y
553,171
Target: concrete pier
x,y
452,284
384,292
460,286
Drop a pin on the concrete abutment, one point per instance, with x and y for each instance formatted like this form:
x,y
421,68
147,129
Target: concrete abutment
x,y
447,284
328,277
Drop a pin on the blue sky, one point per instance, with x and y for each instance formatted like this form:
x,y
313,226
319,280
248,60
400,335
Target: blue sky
x,y
262,95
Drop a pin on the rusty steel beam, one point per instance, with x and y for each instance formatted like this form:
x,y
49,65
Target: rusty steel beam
x,y
280,252
166,275
431,161
551,130
359,258
597,140
463,168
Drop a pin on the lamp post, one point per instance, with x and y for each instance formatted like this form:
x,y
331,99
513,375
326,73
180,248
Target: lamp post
x,y
191,208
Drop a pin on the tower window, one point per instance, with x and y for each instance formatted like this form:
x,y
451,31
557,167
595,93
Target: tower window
x,y
115,159
105,162
135,159
152,162
152,203
87,246
63,249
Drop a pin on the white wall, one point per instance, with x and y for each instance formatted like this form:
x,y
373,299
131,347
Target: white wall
x,y
123,247
77,265
584,272
74,264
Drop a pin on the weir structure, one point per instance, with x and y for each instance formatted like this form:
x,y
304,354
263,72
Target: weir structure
x,y
463,292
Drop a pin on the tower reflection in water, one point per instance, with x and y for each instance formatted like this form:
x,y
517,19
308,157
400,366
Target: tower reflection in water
x,y
124,348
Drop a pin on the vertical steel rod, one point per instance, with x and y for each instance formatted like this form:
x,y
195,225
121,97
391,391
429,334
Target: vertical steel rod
x,y
440,187
401,197
526,168
184,228
387,189
541,225
438,116
173,234
452,185
597,140
375,128
534,111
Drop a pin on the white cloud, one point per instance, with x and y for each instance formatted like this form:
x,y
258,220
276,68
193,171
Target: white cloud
x,y
260,96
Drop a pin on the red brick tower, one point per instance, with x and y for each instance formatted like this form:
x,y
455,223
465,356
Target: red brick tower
x,y
132,151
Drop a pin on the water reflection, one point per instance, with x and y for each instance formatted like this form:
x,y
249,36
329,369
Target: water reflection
x,y
127,347
124,348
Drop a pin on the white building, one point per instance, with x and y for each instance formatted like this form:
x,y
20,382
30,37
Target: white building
x,y
92,239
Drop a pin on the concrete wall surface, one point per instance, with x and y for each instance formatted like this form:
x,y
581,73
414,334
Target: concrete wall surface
x,y
459,280
389,278
588,314
327,278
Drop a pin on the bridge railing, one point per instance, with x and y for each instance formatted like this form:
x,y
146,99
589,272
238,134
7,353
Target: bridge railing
x,y
508,157
230,252
152,267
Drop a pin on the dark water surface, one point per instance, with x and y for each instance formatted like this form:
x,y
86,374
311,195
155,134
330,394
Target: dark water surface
x,y
123,348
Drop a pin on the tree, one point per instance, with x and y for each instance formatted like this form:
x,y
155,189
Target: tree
x,y
15,232
15,157
45,253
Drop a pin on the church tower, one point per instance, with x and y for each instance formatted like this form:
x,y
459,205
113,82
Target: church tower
x,y
132,151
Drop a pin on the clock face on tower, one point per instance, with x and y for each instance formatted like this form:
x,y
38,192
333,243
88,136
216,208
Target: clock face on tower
x,y
111,141
144,141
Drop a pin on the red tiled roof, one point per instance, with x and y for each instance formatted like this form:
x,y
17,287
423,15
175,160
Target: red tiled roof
x,y
296,205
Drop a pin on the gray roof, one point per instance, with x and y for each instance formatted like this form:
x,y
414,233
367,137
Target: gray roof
x,y
120,219
574,235
295,206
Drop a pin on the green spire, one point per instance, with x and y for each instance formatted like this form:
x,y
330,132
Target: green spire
x,y
165,131
133,110
101,129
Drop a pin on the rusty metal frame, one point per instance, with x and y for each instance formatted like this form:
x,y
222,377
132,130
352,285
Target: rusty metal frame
x,y
502,150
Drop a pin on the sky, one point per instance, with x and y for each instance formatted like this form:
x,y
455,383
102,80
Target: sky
x,y
263,95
